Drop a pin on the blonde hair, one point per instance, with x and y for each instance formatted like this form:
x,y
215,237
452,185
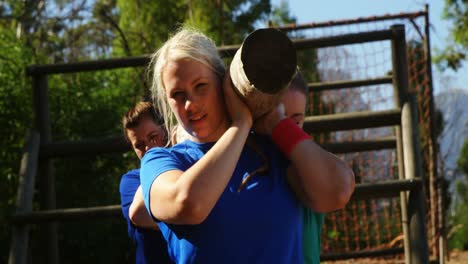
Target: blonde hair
x,y
187,43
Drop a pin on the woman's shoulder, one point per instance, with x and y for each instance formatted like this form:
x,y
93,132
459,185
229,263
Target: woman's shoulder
x,y
189,146
264,139
265,142
186,150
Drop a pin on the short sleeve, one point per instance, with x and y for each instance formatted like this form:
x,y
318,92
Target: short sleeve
x,y
128,185
155,162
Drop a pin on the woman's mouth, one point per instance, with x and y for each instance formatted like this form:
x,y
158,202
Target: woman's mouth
x,y
197,119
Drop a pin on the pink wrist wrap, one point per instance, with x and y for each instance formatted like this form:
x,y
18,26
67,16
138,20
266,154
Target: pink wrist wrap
x,y
287,134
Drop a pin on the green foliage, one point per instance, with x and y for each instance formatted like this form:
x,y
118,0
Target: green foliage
x,y
459,220
455,11
229,21
145,25
15,117
458,237
462,161
280,15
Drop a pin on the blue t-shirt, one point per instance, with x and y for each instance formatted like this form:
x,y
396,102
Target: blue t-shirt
x,y
260,224
150,244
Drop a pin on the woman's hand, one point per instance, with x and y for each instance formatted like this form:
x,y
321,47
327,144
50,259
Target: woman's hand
x,y
266,123
237,109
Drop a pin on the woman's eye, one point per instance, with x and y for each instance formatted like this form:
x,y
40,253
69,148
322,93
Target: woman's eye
x,y
201,87
154,139
140,146
176,94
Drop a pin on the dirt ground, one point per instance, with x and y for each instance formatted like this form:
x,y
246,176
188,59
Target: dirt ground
x,y
458,257
455,257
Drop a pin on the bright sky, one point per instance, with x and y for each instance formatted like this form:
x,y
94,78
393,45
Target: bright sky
x,y
307,11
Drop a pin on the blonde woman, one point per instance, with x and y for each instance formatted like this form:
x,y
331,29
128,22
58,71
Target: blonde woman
x,y
217,198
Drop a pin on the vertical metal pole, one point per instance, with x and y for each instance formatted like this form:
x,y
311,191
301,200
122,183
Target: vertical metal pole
x,y
413,169
399,74
27,175
45,169
437,216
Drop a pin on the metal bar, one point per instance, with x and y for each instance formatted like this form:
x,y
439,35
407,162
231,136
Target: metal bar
x,y
345,39
360,146
95,65
413,168
385,189
294,27
84,147
107,64
70,214
400,66
400,87
347,121
361,254
403,195
27,176
226,51
45,170
323,86
118,144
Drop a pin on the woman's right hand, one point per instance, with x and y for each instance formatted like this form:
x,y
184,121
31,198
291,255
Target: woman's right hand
x,y
237,109
266,123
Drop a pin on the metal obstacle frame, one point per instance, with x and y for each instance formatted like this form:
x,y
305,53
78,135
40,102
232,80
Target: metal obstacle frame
x,y
40,150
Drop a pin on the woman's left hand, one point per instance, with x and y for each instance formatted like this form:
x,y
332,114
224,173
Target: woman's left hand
x,y
237,109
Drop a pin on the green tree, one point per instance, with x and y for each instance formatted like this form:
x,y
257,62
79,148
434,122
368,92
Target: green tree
x,y
81,106
462,161
15,109
453,56
228,21
459,220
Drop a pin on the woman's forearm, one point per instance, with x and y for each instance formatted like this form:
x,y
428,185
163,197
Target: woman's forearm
x,y
326,180
188,198
138,213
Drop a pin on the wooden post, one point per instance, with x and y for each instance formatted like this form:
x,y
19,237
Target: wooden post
x,y
27,175
413,169
45,169
400,87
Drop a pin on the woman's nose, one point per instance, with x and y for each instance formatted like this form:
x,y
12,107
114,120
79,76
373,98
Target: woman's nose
x,y
189,103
